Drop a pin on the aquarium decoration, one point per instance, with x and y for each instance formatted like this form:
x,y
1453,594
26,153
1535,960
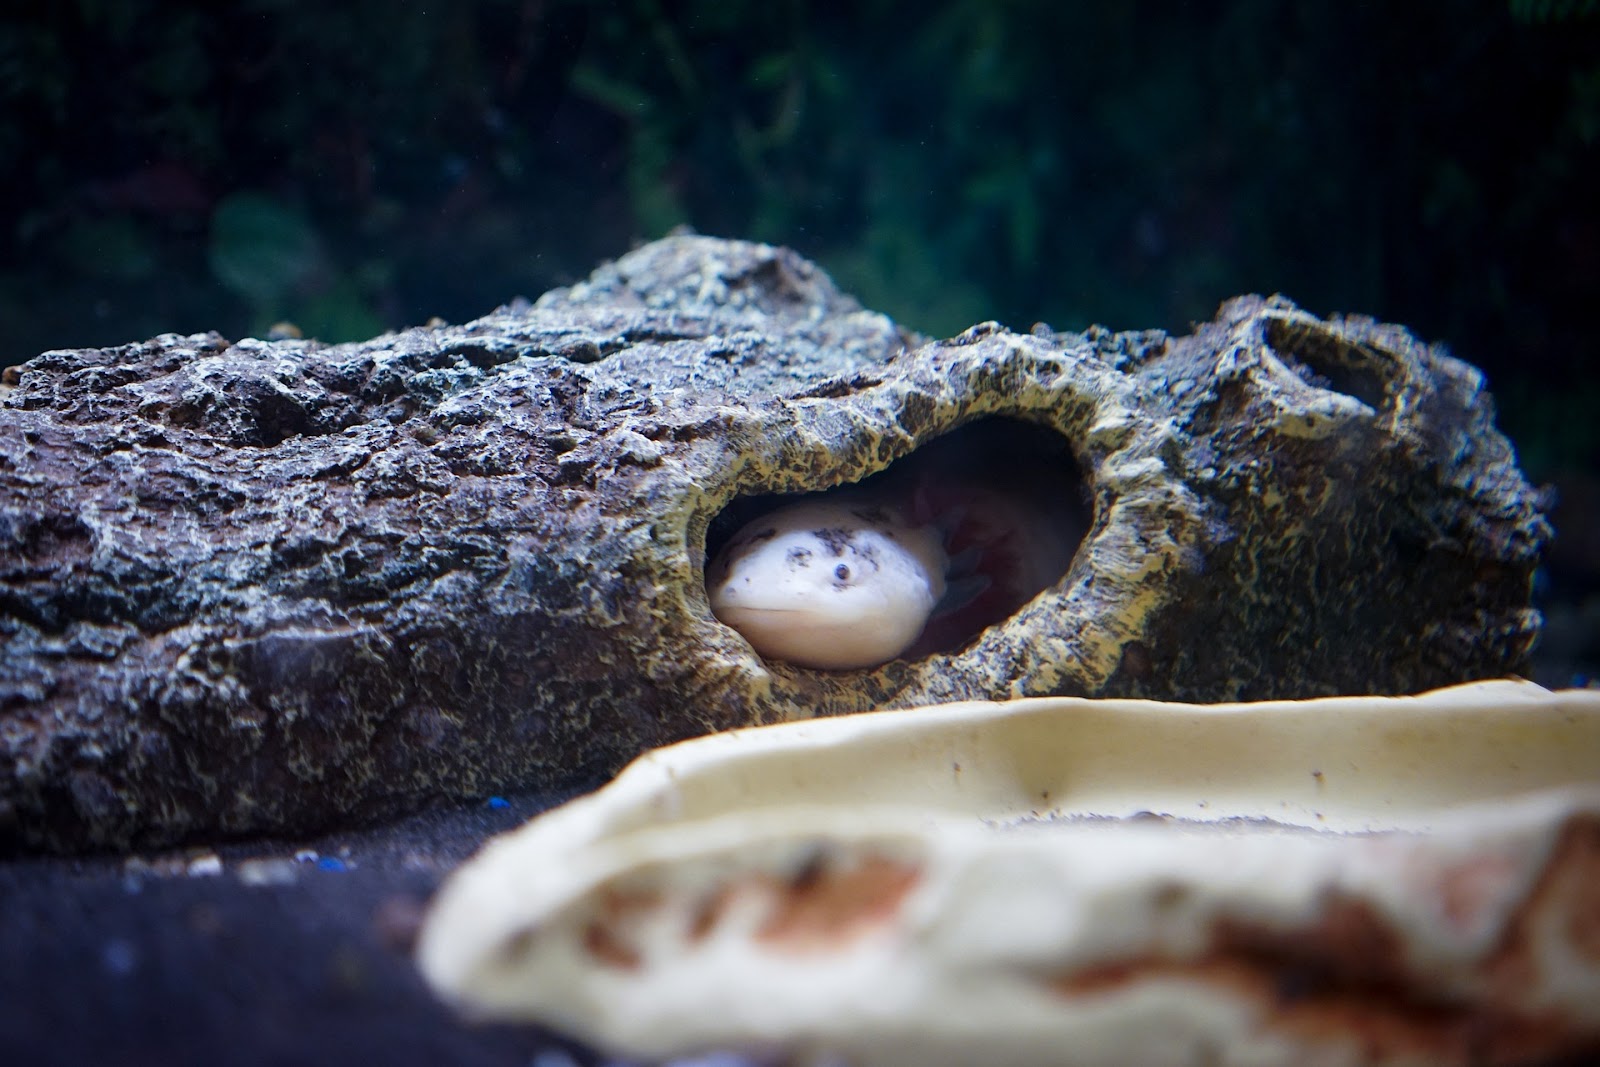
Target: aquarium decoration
x,y
257,586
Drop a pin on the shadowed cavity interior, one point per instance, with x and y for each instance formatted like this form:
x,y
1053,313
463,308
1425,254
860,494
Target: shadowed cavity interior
x,y
1003,500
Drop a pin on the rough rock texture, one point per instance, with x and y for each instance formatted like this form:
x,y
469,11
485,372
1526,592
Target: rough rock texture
x,y
256,586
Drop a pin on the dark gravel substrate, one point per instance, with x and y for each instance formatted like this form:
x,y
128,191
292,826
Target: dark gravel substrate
x,y
106,961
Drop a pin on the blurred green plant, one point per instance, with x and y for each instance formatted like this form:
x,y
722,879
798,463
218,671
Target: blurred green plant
x,y
1552,10
262,249
114,248
1129,164
1554,429
268,252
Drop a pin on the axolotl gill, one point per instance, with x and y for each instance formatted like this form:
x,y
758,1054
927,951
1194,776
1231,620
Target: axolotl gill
x,y
913,561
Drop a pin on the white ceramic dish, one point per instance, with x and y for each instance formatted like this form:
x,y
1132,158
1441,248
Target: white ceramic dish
x,y
1351,880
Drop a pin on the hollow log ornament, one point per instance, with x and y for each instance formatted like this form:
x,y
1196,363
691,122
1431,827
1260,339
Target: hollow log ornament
x,y
254,586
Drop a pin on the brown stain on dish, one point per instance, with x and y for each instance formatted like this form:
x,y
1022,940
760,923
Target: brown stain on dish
x,y
1583,928
1384,1024
1469,889
607,937
827,904
1345,976
1563,906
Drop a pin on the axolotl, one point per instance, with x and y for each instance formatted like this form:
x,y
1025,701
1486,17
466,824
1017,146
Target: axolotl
x,y
859,576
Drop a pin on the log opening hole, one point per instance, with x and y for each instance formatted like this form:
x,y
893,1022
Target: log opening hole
x,y
1331,363
917,559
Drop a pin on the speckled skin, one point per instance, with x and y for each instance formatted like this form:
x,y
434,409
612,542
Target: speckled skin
x,y
838,582
265,587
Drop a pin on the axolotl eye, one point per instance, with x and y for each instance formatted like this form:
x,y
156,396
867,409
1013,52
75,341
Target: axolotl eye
x,y
841,573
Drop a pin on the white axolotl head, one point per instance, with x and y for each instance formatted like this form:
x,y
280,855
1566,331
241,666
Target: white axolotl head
x,y
832,584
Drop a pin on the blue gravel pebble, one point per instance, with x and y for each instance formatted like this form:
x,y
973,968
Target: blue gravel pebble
x,y
499,802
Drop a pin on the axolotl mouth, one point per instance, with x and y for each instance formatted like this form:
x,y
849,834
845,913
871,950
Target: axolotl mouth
x,y
916,560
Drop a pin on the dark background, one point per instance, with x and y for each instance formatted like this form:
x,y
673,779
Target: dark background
x,y
365,166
